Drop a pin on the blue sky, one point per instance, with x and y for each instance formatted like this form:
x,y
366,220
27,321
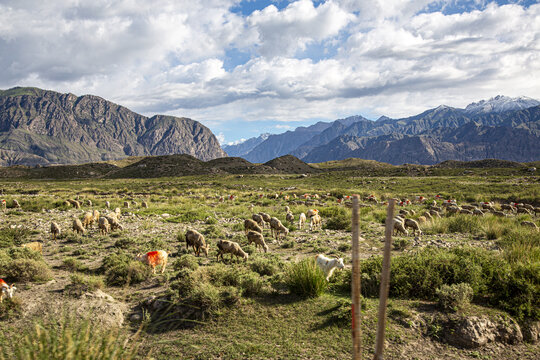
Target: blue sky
x,y
247,67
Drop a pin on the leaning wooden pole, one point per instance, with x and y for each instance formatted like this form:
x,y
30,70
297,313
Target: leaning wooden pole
x,y
356,319
385,282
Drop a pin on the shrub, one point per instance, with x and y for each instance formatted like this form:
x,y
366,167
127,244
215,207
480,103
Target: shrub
x,y
207,297
464,224
187,261
454,297
72,264
81,284
266,266
305,278
13,237
252,284
401,243
121,269
337,218
10,308
28,270
70,340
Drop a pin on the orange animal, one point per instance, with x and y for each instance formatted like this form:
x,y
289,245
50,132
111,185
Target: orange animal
x,y
154,258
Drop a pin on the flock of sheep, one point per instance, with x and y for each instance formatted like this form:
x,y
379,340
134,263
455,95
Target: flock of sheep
x,y
109,221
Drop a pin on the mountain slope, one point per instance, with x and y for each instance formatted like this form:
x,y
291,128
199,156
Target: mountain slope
x,y
245,147
46,127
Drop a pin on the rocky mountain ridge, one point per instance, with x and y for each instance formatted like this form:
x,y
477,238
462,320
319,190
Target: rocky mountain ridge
x,y
40,127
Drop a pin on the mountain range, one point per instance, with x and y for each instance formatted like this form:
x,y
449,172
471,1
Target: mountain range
x,y
40,127
501,127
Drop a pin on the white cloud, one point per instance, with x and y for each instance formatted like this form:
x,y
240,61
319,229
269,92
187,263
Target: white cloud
x,y
230,143
174,57
221,138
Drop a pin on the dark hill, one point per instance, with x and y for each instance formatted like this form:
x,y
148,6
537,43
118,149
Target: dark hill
x,y
486,163
291,165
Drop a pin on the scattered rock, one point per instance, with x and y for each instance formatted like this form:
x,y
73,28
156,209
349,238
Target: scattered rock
x,y
103,308
473,332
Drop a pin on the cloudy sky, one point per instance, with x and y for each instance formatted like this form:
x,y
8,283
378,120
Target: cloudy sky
x,y
252,66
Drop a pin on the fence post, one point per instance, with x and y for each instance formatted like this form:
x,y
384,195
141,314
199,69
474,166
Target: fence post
x,y
385,281
356,310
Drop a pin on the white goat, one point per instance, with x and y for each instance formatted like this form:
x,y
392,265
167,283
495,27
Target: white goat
x,y
6,290
328,265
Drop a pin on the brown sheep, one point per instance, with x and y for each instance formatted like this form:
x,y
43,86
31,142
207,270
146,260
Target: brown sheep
x,y
96,215
289,217
258,239
78,226
251,225
103,225
258,219
400,227
196,240
529,224
88,219
315,222
55,230
35,246
230,247
412,224
144,205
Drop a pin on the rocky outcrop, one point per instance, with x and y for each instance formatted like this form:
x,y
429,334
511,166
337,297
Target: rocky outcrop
x,y
46,127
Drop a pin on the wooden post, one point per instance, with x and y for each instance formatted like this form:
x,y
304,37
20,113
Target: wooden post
x,y
356,319
385,281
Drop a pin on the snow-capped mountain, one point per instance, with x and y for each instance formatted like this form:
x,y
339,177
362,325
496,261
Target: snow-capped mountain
x,y
501,103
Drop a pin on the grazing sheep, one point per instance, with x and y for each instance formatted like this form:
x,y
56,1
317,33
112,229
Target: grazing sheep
x,y
16,204
230,247
118,212
67,203
468,207
75,203
78,226
528,207
289,217
328,265
301,221
281,229
312,212
400,226
450,210
251,225
421,220
265,217
536,210
35,245
258,239
144,205
96,215
88,219
6,290
89,202
315,222
466,211
274,224
103,225
113,221
153,259
404,212
529,224
434,213
126,204
287,209
258,219
436,208
108,204
427,215
499,213
196,240
55,230
413,224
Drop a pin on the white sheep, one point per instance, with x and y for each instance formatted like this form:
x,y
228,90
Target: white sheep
x,y
328,265
301,221
78,226
399,226
315,222
230,247
8,290
258,239
88,219
410,223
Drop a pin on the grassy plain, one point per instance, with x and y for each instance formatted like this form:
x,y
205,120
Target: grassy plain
x,y
211,310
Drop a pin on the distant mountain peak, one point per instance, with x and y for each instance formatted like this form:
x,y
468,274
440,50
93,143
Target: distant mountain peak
x,y
501,103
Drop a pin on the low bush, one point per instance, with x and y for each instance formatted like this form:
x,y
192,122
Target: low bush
x,y
10,308
70,340
121,269
81,284
266,265
306,279
337,218
454,297
27,270
13,237
72,264
186,261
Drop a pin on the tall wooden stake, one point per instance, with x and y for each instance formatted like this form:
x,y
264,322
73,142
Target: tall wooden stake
x,y
385,281
356,319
